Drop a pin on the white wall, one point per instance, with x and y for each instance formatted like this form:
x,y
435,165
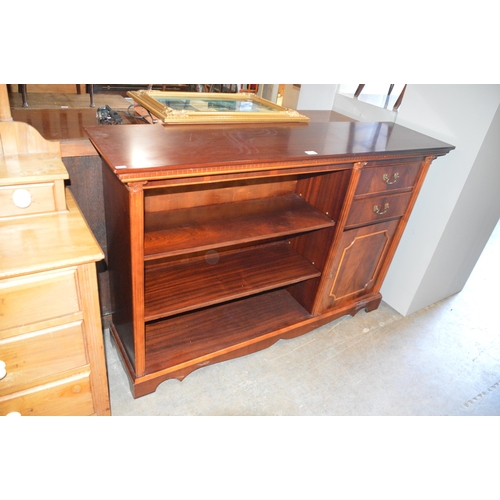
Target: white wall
x,y
362,111
269,91
317,96
459,204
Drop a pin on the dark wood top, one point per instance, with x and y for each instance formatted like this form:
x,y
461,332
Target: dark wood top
x,y
58,124
151,150
62,117
64,125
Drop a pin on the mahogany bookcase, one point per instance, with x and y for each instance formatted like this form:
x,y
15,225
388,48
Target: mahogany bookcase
x,y
224,238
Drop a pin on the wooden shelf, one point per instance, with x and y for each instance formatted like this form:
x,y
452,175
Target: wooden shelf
x,y
176,288
202,228
187,337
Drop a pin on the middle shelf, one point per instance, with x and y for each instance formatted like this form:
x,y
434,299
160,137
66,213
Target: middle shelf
x,y
176,288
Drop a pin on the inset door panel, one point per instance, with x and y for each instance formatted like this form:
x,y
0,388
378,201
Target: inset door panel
x,y
358,262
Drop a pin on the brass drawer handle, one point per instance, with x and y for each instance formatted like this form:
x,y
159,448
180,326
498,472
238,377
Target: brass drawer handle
x,y
377,210
387,180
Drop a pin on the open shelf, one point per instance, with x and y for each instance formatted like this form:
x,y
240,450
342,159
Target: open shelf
x,y
201,333
202,228
176,288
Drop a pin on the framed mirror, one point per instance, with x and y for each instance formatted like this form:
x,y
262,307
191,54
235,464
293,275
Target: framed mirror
x,y
205,107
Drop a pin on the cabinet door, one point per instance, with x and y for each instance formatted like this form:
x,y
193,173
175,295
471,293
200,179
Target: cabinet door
x,y
358,262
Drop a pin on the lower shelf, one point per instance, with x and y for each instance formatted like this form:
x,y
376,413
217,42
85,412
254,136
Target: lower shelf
x,y
177,346
201,335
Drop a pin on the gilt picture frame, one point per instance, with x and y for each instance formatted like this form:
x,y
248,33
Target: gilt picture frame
x,y
208,107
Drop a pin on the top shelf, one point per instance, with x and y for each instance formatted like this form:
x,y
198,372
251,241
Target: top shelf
x,y
215,226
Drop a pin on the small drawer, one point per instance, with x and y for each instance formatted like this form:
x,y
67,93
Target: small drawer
x,y
65,397
36,355
377,208
37,298
29,199
388,178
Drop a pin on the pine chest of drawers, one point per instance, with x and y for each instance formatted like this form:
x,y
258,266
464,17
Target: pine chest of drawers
x,y
51,346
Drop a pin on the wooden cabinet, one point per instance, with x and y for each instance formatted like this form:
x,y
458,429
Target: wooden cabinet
x,y
382,202
51,344
223,239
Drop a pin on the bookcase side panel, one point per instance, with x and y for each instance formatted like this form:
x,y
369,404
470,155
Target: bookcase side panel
x,y
116,203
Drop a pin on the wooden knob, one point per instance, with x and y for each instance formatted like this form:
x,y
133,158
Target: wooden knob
x,y
21,198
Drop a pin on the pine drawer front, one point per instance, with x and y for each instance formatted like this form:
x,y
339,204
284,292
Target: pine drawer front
x,y
40,354
38,297
388,178
62,397
377,208
30,199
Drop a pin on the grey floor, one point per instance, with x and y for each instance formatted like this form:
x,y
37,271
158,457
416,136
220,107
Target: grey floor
x,y
442,360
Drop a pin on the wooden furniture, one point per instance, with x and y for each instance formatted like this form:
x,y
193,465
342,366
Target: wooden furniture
x,y
51,344
66,126
84,166
24,92
223,239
